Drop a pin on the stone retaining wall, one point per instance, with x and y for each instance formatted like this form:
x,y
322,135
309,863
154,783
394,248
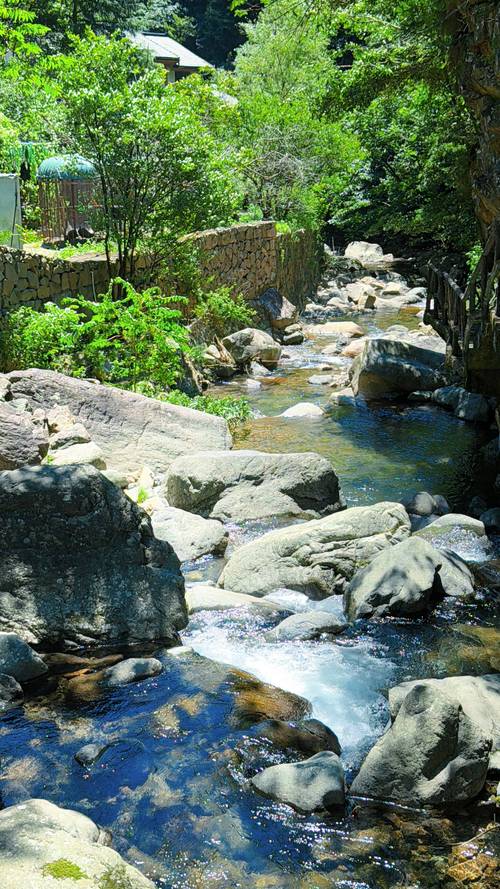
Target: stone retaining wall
x,y
247,258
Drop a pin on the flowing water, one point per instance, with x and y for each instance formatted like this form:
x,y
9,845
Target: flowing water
x,y
173,784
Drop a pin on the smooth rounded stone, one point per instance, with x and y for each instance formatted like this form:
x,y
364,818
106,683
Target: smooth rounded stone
x,y
10,691
320,379
256,701
120,479
80,563
252,384
245,485
352,350
189,535
470,406
22,442
73,434
79,453
491,519
133,669
308,786
318,557
367,253
432,755
17,659
478,696
344,397
389,366
131,429
406,579
441,526
303,409
203,597
258,370
251,344
424,504
293,339
90,753
36,835
339,329
310,736
307,625
362,294
276,309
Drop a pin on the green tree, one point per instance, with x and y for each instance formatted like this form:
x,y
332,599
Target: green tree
x,y
19,27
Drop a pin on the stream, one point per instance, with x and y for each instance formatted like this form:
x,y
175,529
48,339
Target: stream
x,y
173,785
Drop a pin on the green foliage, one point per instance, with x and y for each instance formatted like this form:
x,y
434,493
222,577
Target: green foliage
x,y
115,878
9,141
234,410
19,28
142,496
48,339
62,869
222,312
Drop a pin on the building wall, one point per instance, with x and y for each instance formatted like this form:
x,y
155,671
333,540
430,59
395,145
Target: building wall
x,y
247,258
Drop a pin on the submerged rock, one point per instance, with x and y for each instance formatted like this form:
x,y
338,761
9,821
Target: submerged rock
x,y
189,535
17,659
406,579
130,429
42,846
133,669
314,784
432,755
89,754
239,485
310,736
308,625
303,409
318,557
80,562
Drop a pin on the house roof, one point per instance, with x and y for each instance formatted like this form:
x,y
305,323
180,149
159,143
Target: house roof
x,y
163,48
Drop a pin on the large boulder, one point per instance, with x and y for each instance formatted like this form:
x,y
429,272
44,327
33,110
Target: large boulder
x,y
43,846
319,557
315,783
406,579
367,254
131,429
80,562
189,535
432,755
276,309
22,441
478,696
17,659
240,485
251,344
389,366
470,406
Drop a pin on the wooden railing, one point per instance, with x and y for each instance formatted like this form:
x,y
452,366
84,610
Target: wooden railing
x,y
461,317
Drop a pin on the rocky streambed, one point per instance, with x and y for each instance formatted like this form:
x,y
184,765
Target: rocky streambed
x,y
290,656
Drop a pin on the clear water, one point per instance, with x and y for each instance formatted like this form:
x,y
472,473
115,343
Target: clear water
x,y
173,786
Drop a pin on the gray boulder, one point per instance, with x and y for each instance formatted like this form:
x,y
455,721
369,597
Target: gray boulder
x,y
439,529
80,562
17,659
318,557
36,834
432,755
130,429
389,367
276,309
424,504
89,453
478,696
465,405
10,692
251,344
22,442
307,625
313,784
367,254
189,535
133,669
406,579
204,597
239,485
491,519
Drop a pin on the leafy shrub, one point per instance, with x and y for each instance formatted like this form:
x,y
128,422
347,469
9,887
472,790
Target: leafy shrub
x,y
221,312
49,339
115,878
234,410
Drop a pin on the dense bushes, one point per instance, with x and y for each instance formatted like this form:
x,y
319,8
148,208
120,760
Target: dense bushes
x,y
220,312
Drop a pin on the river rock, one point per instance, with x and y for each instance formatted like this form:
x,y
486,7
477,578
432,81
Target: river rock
x,y
89,453
303,409
80,562
465,405
491,519
424,504
307,625
17,659
204,597
320,379
89,754
276,309
478,696
133,669
37,839
239,485
367,254
344,397
432,755
10,692
406,579
251,344
352,350
347,329
313,784
310,736
22,441
390,367
130,429
318,557
189,535
440,527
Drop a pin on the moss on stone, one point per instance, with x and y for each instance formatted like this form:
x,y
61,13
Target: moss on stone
x,y
62,869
